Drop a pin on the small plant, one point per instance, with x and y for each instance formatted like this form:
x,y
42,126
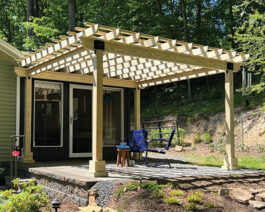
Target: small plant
x,y
198,138
243,147
154,188
132,186
157,194
119,192
26,197
260,148
210,205
218,145
173,184
195,197
207,137
191,207
172,200
176,193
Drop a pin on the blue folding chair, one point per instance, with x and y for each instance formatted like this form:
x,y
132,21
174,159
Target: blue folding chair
x,y
138,141
160,151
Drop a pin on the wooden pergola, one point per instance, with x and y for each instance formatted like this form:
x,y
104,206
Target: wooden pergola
x,y
102,55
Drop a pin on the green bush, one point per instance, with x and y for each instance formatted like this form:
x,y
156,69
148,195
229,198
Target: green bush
x,y
154,188
210,205
30,199
172,200
198,138
218,145
154,133
132,186
176,193
191,207
195,197
207,137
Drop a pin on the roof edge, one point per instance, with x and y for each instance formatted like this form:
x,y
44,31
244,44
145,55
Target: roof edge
x,y
10,50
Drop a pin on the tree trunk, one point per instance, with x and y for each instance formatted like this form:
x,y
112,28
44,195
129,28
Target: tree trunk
x,y
198,21
36,8
231,16
184,17
71,14
30,11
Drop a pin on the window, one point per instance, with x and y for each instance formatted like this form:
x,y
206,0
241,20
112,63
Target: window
x,y
48,114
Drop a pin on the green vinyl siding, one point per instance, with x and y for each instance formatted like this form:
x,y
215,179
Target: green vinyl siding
x,y
7,106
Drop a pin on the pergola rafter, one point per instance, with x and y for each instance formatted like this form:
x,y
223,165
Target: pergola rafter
x,y
102,55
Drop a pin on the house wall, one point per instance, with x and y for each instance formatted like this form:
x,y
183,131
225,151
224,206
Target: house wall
x,y
7,104
62,153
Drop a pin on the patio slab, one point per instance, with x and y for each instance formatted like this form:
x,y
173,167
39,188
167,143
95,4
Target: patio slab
x,y
77,172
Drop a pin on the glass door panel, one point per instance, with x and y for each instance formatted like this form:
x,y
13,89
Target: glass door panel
x,y
81,122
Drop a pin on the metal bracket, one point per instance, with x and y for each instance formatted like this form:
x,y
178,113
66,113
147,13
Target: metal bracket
x,y
230,66
99,44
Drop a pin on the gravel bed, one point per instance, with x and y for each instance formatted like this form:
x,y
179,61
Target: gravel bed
x,y
105,191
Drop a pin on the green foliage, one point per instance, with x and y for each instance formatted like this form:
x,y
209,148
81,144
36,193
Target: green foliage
x,y
30,199
218,145
198,138
250,35
260,148
173,184
43,29
210,205
243,147
191,207
207,137
119,192
172,200
154,133
176,193
132,186
154,188
195,197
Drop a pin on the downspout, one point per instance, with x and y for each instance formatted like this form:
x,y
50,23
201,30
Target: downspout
x,y
18,106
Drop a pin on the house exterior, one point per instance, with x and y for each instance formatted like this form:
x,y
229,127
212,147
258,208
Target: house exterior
x,y
9,101
62,119
76,92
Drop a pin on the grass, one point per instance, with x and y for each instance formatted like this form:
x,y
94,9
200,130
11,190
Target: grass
x,y
243,161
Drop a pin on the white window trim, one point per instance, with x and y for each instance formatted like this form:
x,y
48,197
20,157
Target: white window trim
x,y
62,113
87,87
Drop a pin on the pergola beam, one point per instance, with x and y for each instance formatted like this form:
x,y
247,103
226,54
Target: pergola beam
x,y
157,54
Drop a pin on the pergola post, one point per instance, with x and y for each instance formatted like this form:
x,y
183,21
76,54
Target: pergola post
x,y
97,167
230,161
137,109
28,155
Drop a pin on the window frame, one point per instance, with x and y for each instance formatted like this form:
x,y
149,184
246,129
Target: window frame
x,y
61,114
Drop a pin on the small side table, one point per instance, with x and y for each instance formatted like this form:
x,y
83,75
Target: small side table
x,y
123,155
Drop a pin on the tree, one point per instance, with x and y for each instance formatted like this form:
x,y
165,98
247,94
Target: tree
x,y
72,14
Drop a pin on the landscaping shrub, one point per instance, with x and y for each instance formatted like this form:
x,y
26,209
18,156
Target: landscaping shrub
x,y
207,137
154,188
132,186
191,207
198,138
172,200
218,145
26,197
176,193
195,197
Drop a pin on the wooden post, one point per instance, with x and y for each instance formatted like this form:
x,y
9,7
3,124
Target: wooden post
x,y
97,165
137,109
137,116
28,155
230,161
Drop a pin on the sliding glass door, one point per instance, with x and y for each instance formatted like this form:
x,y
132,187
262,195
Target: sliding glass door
x,y
81,119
